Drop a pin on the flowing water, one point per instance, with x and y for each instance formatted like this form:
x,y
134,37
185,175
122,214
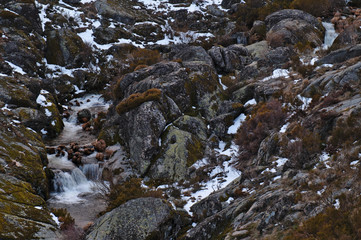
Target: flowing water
x,y
330,35
78,189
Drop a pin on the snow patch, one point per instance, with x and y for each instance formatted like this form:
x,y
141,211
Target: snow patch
x,y
236,124
277,73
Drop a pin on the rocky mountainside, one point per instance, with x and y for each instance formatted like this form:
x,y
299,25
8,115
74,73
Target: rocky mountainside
x,y
224,119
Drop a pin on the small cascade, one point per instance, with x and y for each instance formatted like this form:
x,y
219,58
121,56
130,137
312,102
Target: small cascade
x,y
330,35
77,188
69,181
92,171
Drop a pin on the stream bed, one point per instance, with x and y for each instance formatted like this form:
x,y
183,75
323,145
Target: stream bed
x,y
78,187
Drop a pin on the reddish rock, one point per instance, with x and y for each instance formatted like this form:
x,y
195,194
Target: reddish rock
x,y
100,145
100,156
109,153
88,150
50,150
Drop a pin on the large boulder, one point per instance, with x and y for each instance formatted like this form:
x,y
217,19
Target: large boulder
x,y
121,10
138,219
229,59
65,48
276,17
333,79
149,99
350,36
181,150
293,26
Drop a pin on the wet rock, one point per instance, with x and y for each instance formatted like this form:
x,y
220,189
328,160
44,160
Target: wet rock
x,y
137,219
99,145
100,157
84,115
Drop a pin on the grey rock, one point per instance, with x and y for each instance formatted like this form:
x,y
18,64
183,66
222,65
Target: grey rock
x,y
292,14
228,3
229,59
292,31
64,47
136,219
341,55
181,150
190,54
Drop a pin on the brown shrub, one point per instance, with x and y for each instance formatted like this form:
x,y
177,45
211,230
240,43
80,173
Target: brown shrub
x,y
136,99
343,223
267,117
64,217
317,8
142,56
301,144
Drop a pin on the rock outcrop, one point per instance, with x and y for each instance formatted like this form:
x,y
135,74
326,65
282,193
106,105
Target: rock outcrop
x,y
141,218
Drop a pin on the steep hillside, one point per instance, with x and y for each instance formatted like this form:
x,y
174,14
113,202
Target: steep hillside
x,y
180,119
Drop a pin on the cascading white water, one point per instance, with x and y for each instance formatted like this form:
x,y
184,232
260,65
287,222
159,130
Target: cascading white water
x,y
330,35
92,171
77,188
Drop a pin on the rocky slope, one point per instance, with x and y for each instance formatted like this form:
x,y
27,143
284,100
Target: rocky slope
x,y
219,127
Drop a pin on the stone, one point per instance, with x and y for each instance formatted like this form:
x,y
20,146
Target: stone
x,y
292,14
99,145
341,55
137,219
100,157
181,150
84,115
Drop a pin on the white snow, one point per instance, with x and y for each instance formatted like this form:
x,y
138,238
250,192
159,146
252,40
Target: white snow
x,y
277,73
250,102
236,124
353,163
55,219
337,204
281,161
214,184
224,87
47,112
306,101
38,207
284,128
41,100
43,131
276,178
16,68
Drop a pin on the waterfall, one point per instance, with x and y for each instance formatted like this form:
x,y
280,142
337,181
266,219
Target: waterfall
x,y
330,35
65,181
91,171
